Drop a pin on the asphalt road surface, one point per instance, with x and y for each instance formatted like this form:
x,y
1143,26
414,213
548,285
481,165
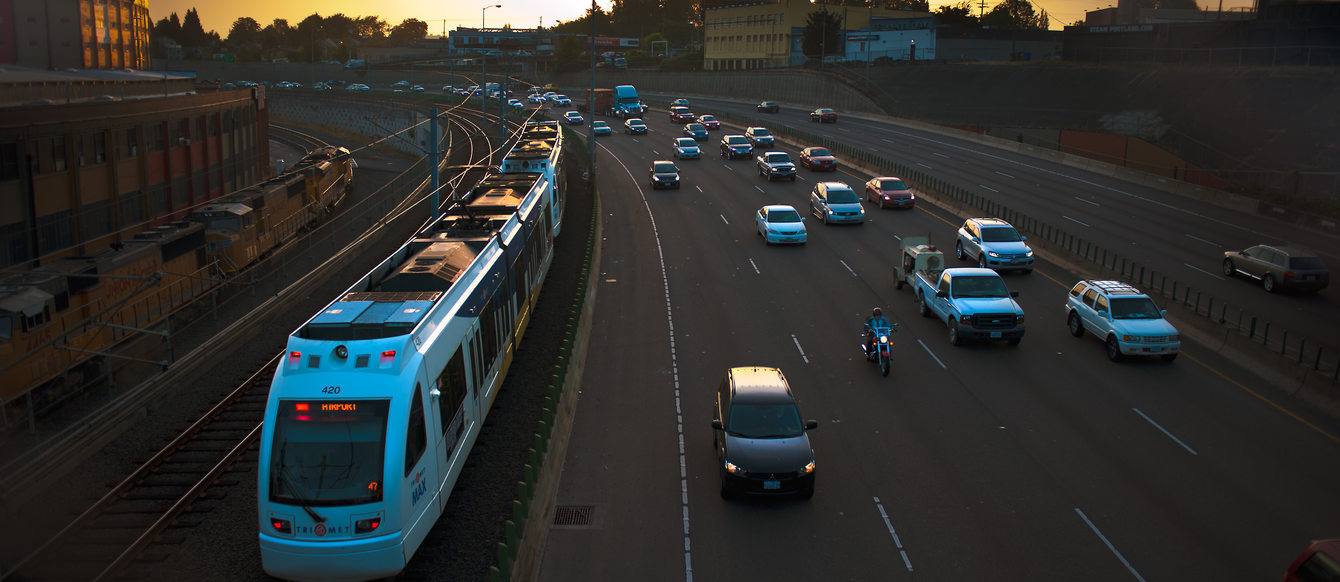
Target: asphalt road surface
x,y
1043,461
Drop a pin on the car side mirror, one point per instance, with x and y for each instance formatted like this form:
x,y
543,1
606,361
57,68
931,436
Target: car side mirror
x,y
1022,238
802,219
941,293
1163,313
811,424
1105,314
717,425
974,240
1014,294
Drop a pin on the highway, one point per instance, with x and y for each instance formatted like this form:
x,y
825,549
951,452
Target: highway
x,y
1043,461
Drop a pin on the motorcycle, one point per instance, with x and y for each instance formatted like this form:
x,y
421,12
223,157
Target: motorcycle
x,y
881,351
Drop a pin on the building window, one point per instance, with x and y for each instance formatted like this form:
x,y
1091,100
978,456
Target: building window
x,y
99,147
9,161
129,209
158,200
58,153
54,232
154,134
97,220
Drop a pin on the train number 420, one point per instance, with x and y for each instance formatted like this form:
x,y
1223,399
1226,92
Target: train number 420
x,y
330,390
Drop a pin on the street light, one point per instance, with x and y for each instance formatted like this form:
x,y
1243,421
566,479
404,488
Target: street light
x,y
484,65
823,36
481,17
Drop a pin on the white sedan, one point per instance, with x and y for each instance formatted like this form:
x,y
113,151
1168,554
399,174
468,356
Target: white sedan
x,y
780,223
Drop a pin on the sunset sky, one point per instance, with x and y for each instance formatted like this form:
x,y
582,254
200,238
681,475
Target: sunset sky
x,y
218,15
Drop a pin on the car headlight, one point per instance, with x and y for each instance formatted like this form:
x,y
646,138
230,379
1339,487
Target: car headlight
x,y
1028,253
965,319
1019,318
828,210
807,469
1129,338
1175,337
993,254
734,469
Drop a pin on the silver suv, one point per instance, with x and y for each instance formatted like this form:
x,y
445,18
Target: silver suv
x,y
995,244
1127,320
836,202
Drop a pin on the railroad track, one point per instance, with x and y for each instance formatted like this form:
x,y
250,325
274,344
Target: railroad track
x,y
123,522
106,538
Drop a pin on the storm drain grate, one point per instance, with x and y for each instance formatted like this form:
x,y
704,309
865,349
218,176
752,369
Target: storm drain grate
x,y
573,514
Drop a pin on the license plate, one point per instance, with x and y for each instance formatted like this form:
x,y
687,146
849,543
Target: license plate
x,y
995,335
772,484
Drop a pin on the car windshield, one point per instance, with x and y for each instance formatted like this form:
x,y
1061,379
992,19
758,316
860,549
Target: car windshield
x,y
1000,234
1306,264
825,111
765,421
1135,308
664,168
892,185
687,142
817,152
778,158
736,140
842,196
980,287
636,123
707,118
328,453
784,216
599,124
760,132
695,127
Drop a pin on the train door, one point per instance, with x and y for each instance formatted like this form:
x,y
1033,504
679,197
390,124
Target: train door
x,y
419,509
452,413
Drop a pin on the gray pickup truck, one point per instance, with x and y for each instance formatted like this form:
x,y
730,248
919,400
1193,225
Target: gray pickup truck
x,y
973,302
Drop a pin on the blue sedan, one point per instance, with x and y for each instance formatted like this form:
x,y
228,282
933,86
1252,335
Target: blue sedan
x,y
696,131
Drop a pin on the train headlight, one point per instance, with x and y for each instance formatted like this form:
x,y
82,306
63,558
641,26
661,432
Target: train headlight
x,y
341,352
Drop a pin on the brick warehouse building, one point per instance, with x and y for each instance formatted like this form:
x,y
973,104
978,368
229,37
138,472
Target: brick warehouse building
x,y
108,154
80,34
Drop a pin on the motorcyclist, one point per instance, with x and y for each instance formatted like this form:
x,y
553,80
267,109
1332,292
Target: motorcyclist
x,y
875,320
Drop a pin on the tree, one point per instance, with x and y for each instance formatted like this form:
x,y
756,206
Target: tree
x,y
276,36
410,30
823,32
245,30
568,54
169,27
370,28
960,14
913,5
341,28
1015,15
192,33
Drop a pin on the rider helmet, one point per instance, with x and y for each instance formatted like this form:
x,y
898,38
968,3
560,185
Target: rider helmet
x,y
876,313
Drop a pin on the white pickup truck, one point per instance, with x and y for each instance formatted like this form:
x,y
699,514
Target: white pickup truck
x,y
973,302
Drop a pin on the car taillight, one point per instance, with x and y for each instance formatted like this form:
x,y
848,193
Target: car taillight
x,y
1288,275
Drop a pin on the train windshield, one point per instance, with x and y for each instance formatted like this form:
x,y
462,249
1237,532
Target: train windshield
x,y
328,452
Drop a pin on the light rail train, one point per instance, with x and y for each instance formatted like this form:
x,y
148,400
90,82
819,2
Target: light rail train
x,y
381,396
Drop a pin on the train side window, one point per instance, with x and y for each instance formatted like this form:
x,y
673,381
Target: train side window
x,y
416,434
451,388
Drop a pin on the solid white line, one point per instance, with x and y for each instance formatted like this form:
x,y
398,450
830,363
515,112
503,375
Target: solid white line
x,y
1195,268
1004,174
844,264
1109,545
1086,201
1073,220
923,165
940,154
674,376
723,218
987,187
1196,238
886,140
756,271
897,542
800,349
928,350
1165,431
